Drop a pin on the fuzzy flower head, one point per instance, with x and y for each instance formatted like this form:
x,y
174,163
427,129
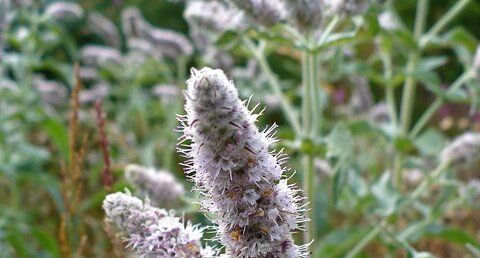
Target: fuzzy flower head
x,y
464,152
256,210
305,14
160,187
347,7
153,232
476,63
170,43
104,28
97,55
263,12
214,16
65,11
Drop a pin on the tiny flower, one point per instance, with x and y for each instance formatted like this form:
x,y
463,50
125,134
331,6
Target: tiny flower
x,y
170,43
52,92
347,7
168,93
256,209
104,28
99,91
161,188
153,232
463,152
132,22
97,55
144,47
263,12
476,63
379,113
213,15
388,21
305,14
66,11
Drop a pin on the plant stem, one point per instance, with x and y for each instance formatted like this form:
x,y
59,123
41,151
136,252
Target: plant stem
x,y
415,194
364,242
438,102
409,87
309,190
389,90
274,84
447,18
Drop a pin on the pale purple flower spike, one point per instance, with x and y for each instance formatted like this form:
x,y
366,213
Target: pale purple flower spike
x,y
242,181
153,232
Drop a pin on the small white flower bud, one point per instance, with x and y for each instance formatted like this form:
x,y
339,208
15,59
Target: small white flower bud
x,y
463,152
307,15
98,55
160,187
66,11
347,7
213,15
388,21
104,28
263,12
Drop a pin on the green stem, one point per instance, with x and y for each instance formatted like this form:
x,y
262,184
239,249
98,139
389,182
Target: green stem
x,y
364,242
309,190
440,24
328,30
409,87
306,98
415,195
274,84
389,90
437,103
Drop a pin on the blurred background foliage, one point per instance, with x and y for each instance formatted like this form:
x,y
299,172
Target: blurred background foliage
x,y
140,99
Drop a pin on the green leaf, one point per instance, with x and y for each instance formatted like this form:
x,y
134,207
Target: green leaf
x,y
386,195
339,142
451,234
430,143
58,134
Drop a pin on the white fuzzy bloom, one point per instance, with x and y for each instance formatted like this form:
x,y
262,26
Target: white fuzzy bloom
x,y
379,113
347,7
307,15
388,21
213,15
144,47
51,92
99,90
98,55
256,210
170,43
463,152
160,187
168,93
476,62
263,12
104,28
152,232
67,11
